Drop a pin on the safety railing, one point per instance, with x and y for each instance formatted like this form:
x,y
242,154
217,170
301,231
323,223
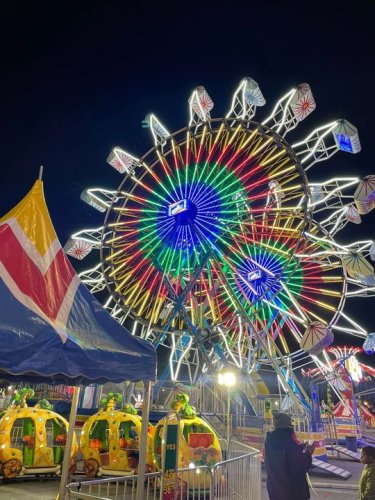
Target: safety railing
x,y
298,414
212,400
114,488
243,422
330,430
239,477
213,406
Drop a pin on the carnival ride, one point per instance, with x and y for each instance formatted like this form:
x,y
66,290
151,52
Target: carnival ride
x,y
32,439
220,248
344,424
110,440
197,443
345,370
344,357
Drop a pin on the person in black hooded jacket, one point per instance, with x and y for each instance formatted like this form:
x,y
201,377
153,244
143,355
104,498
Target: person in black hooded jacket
x,y
287,461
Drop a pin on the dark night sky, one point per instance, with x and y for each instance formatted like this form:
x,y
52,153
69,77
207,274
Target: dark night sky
x,y
77,78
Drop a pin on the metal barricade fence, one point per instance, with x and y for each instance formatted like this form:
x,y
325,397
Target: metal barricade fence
x,y
238,477
114,488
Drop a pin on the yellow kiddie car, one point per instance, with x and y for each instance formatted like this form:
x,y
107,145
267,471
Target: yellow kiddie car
x,y
32,440
198,444
110,440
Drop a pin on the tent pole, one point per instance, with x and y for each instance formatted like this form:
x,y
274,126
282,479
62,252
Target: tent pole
x,y
69,443
143,441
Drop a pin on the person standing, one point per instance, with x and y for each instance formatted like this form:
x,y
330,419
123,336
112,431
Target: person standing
x,y
367,479
287,461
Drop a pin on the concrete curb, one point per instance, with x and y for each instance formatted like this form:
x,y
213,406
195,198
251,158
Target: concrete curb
x,y
338,486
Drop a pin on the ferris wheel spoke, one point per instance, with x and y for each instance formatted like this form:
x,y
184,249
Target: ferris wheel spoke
x,y
229,139
178,165
139,200
170,177
200,149
157,179
215,144
294,301
285,312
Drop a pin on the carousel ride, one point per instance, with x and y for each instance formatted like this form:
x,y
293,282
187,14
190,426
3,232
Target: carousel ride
x,y
32,439
220,248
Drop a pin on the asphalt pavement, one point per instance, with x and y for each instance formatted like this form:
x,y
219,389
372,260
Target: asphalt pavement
x,y
325,486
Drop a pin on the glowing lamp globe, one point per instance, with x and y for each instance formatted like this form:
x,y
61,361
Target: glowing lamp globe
x,y
228,379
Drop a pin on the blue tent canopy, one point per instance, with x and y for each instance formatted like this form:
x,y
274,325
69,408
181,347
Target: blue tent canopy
x,y
51,326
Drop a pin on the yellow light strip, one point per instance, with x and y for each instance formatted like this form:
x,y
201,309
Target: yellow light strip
x,y
273,158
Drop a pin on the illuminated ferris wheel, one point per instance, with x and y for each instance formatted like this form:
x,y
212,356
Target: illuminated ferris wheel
x,y
218,246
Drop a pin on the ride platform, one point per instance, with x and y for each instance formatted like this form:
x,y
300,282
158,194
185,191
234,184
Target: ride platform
x,y
344,451
332,469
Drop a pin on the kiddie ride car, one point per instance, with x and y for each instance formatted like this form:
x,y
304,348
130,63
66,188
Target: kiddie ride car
x,y
198,444
110,440
32,440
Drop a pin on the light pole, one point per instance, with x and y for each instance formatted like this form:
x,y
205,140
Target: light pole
x,y
227,379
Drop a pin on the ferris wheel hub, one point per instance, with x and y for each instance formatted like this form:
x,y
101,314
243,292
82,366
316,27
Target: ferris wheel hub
x,y
184,212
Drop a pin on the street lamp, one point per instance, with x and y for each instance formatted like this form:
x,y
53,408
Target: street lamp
x,y
227,379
